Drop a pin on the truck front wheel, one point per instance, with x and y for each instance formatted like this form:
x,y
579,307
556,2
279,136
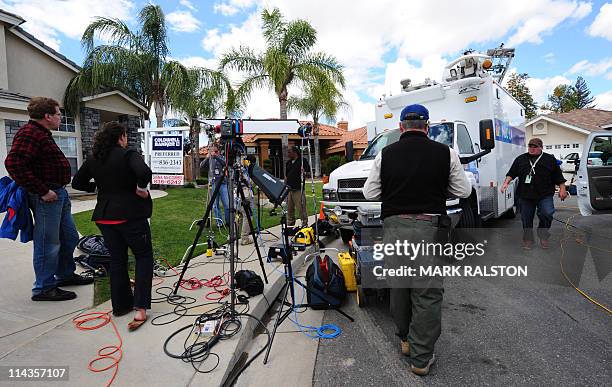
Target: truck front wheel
x,y
469,218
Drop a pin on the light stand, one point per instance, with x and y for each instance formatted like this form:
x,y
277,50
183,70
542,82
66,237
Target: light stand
x,y
261,229
289,288
312,184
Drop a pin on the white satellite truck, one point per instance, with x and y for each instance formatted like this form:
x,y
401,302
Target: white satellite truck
x,y
468,102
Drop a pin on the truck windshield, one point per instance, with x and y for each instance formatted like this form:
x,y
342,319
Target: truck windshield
x,y
442,133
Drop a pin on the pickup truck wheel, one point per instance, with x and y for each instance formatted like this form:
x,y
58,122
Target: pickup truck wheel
x,y
468,216
346,235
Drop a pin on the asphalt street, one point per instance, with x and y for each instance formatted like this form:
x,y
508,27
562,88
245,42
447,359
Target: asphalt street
x,y
539,331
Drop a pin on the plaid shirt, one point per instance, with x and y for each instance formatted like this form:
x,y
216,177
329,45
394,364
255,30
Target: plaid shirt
x,y
35,161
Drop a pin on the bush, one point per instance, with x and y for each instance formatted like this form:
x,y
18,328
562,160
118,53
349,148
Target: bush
x,y
201,181
189,185
331,163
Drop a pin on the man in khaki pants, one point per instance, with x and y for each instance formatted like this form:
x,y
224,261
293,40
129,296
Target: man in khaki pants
x,y
294,171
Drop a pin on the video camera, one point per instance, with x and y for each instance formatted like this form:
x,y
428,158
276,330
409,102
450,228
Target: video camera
x,y
305,130
231,128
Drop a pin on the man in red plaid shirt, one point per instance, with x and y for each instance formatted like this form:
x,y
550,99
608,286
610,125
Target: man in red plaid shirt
x,y
37,164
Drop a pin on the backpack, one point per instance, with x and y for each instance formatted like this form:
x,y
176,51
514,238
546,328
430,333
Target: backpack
x,y
327,280
96,253
250,282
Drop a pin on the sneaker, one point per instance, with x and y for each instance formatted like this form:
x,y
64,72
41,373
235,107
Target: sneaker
x,y
544,243
55,294
527,245
75,280
425,370
405,348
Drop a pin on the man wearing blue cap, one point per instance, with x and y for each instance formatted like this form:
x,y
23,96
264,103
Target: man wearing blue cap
x,y
412,178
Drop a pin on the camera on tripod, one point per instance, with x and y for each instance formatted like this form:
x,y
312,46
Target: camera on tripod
x,y
231,128
305,130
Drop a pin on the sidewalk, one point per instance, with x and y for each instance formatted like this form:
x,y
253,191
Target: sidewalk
x,y
42,334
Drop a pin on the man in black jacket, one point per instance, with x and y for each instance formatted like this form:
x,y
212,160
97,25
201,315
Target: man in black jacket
x,y
412,178
538,173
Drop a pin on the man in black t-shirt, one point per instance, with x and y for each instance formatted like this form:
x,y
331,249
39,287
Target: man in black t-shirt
x,y
538,174
294,172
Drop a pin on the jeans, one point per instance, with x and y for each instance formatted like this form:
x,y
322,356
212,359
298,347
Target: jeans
x,y
135,234
55,238
224,198
545,210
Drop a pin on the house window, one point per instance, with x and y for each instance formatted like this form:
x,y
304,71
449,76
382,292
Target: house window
x,y
67,124
548,146
576,146
68,146
557,146
566,146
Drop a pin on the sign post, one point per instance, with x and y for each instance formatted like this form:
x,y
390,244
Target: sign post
x,y
163,152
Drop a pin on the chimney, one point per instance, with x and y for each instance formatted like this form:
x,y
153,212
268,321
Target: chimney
x,y
342,125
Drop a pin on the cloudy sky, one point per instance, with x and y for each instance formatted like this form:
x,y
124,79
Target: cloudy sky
x,y
379,42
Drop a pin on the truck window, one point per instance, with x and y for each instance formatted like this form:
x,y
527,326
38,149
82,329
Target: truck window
x,y
442,133
464,141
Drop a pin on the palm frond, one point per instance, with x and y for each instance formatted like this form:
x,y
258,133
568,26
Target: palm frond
x,y
273,26
242,59
153,33
276,64
324,62
299,37
114,30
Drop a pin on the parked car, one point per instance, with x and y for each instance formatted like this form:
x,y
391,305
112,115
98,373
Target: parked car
x,y
569,162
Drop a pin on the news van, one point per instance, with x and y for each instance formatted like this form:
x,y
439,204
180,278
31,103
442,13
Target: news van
x,y
468,101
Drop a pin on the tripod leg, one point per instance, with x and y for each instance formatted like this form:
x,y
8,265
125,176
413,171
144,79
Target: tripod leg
x,y
278,318
199,233
248,213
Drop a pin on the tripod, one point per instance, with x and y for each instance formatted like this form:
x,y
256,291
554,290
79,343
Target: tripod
x,y
289,289
229,174
262,231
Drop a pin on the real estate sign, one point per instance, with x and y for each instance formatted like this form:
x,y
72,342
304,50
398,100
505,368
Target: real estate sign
x,y
167,154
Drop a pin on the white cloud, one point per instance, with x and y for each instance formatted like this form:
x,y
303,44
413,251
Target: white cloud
x,y
231,7
549,58
183,21
542,87
197,61
584,67
187,4
602,25
604,100
544,19
45,19
249,34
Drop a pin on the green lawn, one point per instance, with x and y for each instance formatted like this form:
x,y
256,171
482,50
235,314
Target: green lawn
x,y
172,216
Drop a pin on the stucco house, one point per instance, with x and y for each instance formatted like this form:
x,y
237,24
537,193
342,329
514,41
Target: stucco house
x,y
564,133
30,68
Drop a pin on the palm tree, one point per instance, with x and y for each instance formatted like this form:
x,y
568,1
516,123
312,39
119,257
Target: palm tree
x,y
321,99
134,62
287,60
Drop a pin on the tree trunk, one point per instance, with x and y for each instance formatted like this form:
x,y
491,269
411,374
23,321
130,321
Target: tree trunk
x,y
317,160
195,147
282,100
159,113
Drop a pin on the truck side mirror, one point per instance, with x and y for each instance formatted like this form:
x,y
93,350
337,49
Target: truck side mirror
x,y
487,137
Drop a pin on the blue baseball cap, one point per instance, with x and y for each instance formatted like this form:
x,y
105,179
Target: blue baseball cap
x,y
414,112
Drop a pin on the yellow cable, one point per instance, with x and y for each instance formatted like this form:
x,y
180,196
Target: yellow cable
x,y
567,224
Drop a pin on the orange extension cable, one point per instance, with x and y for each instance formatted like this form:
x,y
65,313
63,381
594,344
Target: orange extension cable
x,y
105,353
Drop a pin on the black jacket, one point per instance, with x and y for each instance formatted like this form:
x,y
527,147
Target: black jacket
x,y
116,179
547,175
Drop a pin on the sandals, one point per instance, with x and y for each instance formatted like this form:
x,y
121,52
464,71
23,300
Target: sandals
x,y
135,324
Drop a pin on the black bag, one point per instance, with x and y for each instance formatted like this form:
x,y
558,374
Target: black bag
x,y
96,253
250,282
327,280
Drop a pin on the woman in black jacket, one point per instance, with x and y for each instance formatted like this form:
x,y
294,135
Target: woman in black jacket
x,y
123,206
